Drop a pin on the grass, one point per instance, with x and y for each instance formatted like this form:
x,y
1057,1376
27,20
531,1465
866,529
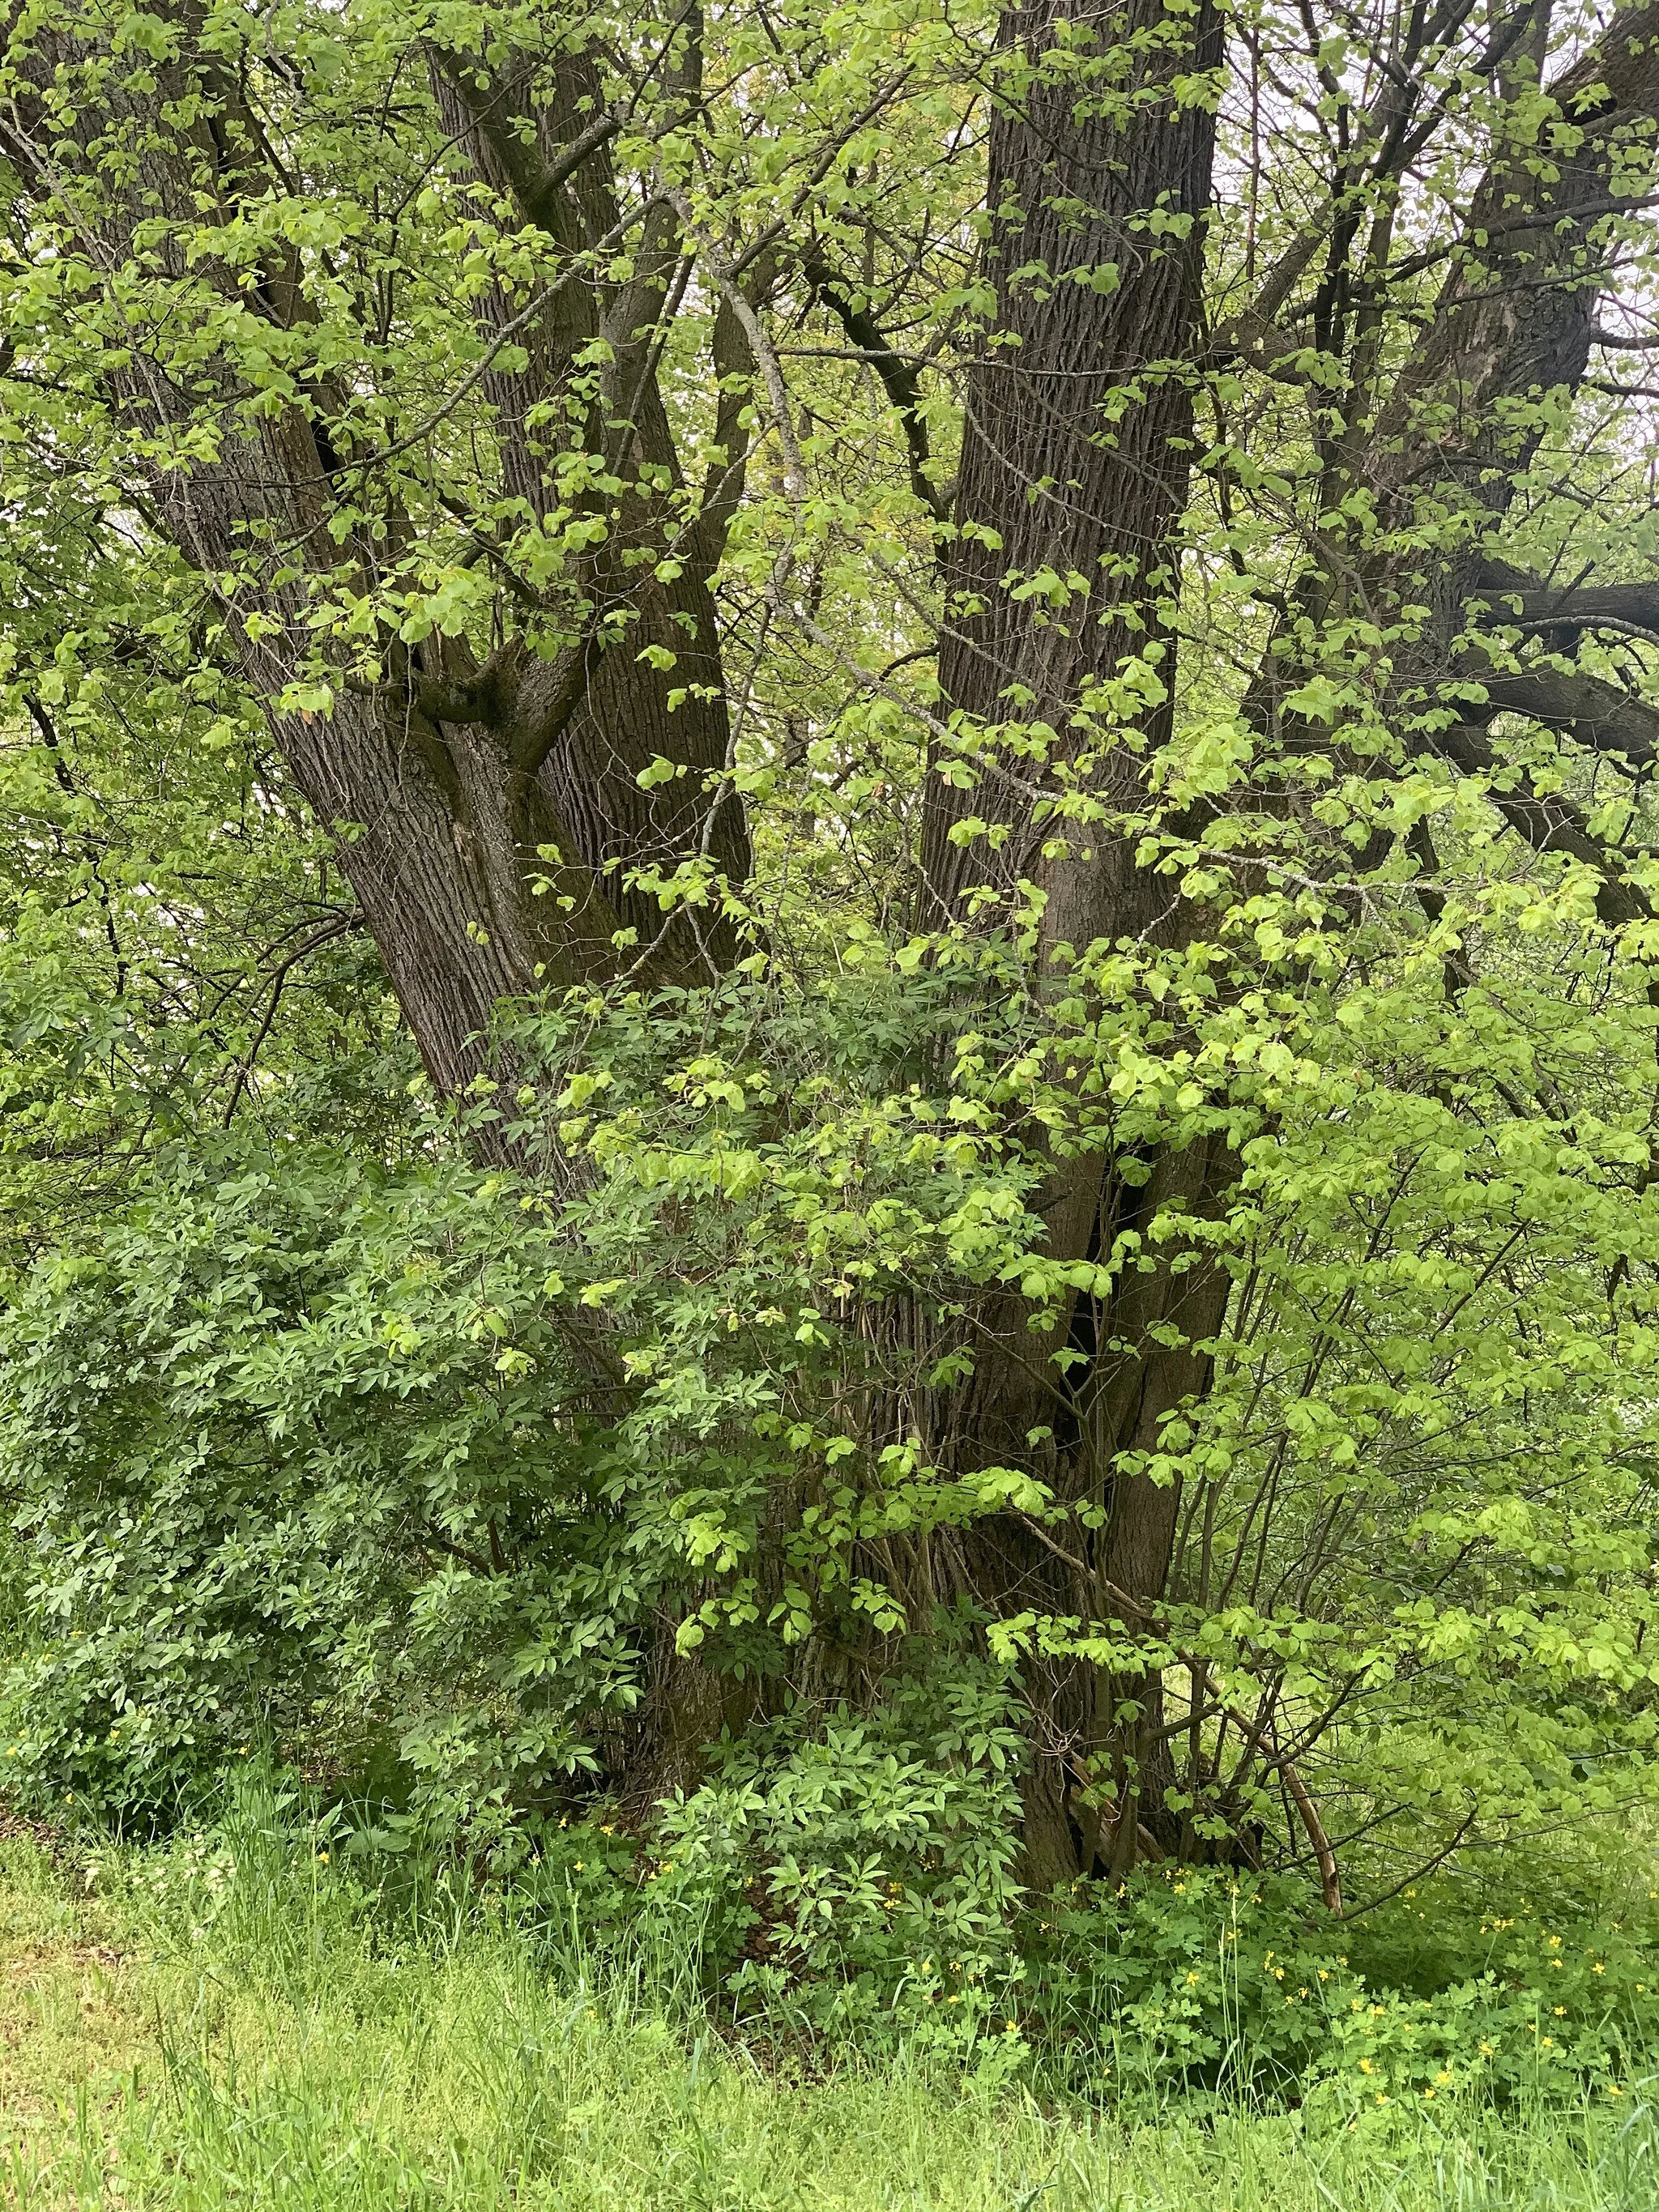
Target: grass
x,y
175,2038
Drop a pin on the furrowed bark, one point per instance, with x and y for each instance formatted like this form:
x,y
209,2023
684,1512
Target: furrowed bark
x,y
1515,318
627,718
490,817
1075,451
1074,479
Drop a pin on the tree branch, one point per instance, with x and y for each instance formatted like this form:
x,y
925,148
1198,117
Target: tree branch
x,y
1330,1877
550,696
1632,606
531,700
250,1058
735,370
899,379
534,181
1595,714
1533,605
1549,824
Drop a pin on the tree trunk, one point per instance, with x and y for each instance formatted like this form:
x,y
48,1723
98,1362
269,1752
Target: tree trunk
x,y
1075,478
491,816
1067,599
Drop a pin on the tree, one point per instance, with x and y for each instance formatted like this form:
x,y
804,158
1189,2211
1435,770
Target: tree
x,y
1124,468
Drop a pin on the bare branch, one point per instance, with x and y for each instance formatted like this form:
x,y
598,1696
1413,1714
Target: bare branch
x,y
250,1059
1330,1877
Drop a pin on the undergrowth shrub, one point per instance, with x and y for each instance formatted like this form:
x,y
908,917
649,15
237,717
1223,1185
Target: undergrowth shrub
x,y
1227,1981
840,1867
305,1447
265,1438
1197,1986
300,1449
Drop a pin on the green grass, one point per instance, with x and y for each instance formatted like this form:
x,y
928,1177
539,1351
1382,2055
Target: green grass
x,y
169,2040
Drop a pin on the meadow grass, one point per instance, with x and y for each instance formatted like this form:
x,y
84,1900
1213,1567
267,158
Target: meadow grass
x,y
172,2043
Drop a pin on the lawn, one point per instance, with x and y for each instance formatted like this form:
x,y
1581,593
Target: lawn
x,y
286,2055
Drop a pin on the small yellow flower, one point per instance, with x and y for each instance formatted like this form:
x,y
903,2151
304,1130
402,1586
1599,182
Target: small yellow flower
x,y
1613,2089
1366,2066
1560,2012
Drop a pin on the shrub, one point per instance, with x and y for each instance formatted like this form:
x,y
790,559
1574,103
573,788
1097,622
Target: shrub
x,y
272,1440
855,1871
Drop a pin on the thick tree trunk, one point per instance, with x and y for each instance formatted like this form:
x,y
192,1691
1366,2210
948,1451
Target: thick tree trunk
x,y
655,693
1075,508
452,785
1075,478
1075,453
